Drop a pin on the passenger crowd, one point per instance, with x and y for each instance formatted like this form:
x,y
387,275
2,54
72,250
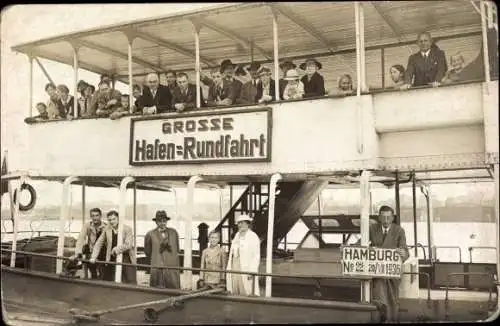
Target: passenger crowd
x,y
98,243
427,67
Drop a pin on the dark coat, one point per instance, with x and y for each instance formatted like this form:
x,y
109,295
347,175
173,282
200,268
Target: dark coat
x,y
421,71
166,278
386,291
236,86
248,93
69,107
189,99
313,87
272,90
282,85
219,94
162,99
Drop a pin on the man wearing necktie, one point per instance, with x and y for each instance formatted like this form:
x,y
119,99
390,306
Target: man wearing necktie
x,y
387,234
427,66
184,95
156,97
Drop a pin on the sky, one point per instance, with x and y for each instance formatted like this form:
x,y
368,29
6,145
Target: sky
x,y
25,23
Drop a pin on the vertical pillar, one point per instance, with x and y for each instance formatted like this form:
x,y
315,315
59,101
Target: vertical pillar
x,y
15,222
496,174
276,55
414,198
197,28
486,55
130,38
65,211
270,230
430,222
30,58
188,243
122,217
382,66
75,79
83,202
398,203
362,46
358,47
135,213
365,225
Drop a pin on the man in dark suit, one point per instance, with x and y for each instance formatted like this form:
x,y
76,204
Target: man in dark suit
x,y
220,90
156,98
266,91
428,66
227,70
184,95
387,234
249,89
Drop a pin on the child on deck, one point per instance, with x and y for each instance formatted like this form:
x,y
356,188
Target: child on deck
x,y
123,110
213,257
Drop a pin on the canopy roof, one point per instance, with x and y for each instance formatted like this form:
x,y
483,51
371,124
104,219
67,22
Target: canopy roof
x,y
236,30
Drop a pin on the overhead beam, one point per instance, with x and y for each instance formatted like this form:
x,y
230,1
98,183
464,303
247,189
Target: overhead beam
x,y
118,54
389,22
245,43
44,71
173,46
305,25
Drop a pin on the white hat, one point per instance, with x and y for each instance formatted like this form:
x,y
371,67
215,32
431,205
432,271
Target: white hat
x,y
243,217
291,74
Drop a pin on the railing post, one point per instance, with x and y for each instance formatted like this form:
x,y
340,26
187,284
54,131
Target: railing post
x,y
197,28
65,211
75,76
270,230
276,54
30,99
121,221
486,55
496,174
15,222
188,243
365,226
414,197
130,39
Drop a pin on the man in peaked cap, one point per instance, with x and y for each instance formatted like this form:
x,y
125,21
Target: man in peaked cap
x,y
284,66
161,246
249,90
227,69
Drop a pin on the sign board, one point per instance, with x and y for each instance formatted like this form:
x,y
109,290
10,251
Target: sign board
x,y
371,261
228,136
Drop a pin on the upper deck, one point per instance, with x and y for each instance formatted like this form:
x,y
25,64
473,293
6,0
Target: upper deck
x,y
424,128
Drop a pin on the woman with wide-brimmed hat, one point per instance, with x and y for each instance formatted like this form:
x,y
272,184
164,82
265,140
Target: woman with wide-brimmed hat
x,y
161,246
244,256
314,84
294,89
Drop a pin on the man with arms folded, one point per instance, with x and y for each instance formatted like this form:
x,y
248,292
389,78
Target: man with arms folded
x,y
156,97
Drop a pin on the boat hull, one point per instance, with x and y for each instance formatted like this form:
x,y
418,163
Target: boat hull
x,y
56,295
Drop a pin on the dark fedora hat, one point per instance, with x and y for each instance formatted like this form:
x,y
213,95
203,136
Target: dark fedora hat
x,y
318,64
161,215
288,64
225,63
254,66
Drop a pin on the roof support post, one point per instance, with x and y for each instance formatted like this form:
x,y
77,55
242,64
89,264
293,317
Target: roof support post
x,y
75,48
426,191
30,110
65,212
15,221
188,241
276,56
121,221
197,28
485,43
360,48
365,226
130,39
270,228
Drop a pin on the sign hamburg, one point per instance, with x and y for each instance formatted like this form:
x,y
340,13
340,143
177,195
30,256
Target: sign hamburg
x,y
370,261
230,136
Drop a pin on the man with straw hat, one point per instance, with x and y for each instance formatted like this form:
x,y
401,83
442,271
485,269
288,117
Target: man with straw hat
x,y
244,256
249,90
161,246
294,89
314,84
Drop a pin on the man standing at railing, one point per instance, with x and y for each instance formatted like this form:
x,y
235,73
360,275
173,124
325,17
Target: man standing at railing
x,y
87,239
161,247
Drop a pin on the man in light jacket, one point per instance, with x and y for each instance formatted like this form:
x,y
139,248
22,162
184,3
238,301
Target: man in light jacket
x,y
109,239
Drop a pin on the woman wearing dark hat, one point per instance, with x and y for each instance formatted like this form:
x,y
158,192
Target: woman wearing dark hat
x,y
284,66
314,84
161,247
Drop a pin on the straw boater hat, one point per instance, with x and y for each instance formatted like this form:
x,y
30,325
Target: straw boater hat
x,y
241,218
292,74
287,64
225,63
161,215
303,65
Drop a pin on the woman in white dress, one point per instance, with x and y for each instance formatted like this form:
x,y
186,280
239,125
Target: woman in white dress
x,y
244,256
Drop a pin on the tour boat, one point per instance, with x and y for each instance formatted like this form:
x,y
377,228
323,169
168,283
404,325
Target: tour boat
x,y
284,153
